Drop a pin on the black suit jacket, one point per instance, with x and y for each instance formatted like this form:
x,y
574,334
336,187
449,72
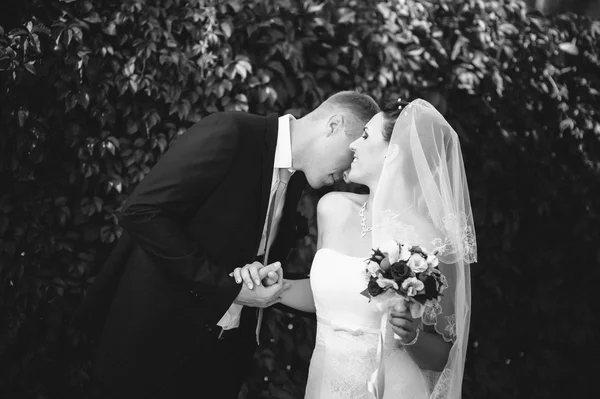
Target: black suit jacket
x,y
195,217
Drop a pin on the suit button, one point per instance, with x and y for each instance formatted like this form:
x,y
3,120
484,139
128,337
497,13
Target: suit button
x,y
208,327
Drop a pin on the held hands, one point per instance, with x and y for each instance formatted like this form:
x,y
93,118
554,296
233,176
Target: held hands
x,y
403,324
255,273
258,295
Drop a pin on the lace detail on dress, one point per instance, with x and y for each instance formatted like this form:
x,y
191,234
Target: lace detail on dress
x,y
442,386
343,359
345,381
459,239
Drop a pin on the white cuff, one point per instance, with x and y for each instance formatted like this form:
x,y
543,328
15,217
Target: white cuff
x,y
231,318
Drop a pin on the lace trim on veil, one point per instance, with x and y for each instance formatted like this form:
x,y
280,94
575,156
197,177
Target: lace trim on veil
x,y
459,239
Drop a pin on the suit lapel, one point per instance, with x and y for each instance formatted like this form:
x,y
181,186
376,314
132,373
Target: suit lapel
x,y
268,160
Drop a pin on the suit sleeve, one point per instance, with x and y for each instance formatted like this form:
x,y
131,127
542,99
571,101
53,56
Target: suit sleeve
x,y
158,209
91,314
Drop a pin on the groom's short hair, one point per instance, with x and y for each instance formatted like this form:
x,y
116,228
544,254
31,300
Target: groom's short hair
x,y
357,108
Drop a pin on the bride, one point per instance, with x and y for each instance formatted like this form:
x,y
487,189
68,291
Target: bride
x,y
410,160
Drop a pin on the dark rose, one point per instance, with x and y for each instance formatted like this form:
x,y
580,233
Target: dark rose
x,y
385,264
417,249
400,271
377,256
374,288
431,289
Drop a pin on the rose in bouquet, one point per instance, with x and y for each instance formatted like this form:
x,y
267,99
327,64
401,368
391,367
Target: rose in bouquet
x,y
404,273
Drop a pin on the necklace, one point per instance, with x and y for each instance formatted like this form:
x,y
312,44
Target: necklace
x,y
363,219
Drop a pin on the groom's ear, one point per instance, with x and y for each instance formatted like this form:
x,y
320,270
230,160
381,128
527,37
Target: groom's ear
x,y
335,124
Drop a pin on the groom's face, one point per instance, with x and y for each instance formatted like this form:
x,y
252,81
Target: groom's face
x,y
331,156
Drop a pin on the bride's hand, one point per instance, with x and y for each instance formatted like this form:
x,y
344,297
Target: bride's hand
x,y
403,323
255,273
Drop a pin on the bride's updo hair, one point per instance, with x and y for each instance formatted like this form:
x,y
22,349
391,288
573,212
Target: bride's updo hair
x,y
391,111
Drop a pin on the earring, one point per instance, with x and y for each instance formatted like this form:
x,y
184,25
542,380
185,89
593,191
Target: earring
x,y
402,103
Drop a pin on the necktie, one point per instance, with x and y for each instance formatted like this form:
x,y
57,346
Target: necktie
x,y
276,205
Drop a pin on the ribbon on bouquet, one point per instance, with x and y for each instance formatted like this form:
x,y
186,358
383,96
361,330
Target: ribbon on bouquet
x,y
376,382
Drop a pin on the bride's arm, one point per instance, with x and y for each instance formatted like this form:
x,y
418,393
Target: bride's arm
x,y
299,295
430,352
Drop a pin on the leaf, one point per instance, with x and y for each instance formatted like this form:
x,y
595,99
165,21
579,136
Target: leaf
x,y
253,82
569,48
458,46
105,233
567,124
315,8
30,67
71,102
134,85
98,203
18,32
84,99
227,29
132,126
508,29
342,68
110,29
22,116
277,66
77,33
415,53
242,98
384,10
262,94
348,17
93,18
41,29
243,67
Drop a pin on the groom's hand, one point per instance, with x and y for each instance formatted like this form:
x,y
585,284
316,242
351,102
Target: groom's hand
x,y
263,297
255,273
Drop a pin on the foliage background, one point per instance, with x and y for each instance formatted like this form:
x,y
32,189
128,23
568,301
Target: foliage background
x,y
92,94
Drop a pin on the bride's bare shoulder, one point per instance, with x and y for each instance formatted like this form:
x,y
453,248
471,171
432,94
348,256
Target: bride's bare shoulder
x,y
338,203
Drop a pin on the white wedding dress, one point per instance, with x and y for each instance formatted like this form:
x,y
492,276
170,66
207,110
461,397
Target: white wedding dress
x,y
345,353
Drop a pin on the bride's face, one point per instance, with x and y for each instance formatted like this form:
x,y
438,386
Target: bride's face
x,y
369,153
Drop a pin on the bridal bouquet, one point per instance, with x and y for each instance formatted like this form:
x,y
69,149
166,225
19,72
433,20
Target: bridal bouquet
x,y
404,273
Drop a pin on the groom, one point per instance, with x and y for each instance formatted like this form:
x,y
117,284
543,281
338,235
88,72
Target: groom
x,y
220,197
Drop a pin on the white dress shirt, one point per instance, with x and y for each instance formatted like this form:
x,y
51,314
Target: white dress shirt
x,y
283,160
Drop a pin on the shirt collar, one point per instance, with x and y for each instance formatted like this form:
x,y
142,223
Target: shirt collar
x,y
283,150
